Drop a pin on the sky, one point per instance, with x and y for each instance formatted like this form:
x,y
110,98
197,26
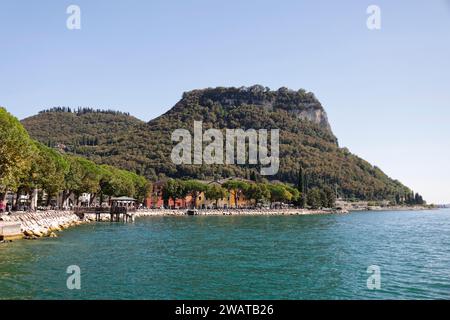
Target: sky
x,y
386,91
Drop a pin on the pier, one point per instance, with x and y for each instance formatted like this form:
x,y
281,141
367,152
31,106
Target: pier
x,y
122,209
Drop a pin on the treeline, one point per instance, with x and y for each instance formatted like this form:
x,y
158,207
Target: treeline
x,y
26,165
82,110
283,98
410,199
255,192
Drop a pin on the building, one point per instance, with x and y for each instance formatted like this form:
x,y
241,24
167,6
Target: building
x,y
232,200
156,201
156,198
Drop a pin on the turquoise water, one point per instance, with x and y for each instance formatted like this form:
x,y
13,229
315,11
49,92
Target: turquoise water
x,y
235,257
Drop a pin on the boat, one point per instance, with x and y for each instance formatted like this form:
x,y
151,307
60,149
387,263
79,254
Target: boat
x,y
192,212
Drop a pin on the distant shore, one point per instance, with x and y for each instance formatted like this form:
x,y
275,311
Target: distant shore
x,y
259,212
234,211
33,225
391,208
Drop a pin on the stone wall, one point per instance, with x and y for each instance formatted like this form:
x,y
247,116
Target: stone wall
x,y
248,212
42,223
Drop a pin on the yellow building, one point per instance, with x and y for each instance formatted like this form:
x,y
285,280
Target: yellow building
x,y
230,200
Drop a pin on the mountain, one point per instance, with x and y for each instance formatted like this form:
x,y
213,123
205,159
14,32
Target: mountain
x,y
306,139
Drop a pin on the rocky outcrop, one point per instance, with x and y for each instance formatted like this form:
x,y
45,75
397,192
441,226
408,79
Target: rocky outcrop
x,y
315,115
304,105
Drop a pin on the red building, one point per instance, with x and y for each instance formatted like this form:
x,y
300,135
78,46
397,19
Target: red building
x,y
156,200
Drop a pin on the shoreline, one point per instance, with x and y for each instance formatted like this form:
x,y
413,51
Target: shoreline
x,y
393,208
91,217
273,212
40,224
235,212
34,225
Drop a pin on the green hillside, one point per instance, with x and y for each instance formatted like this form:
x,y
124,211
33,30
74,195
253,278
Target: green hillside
x,y
306,139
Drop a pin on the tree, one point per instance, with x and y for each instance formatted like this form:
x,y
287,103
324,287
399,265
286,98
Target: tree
x,y
117,182
301,186
257,192
142,186
84,176
105,182
182,192
50,170
279,193
294,192
418,199
73,178
328,197
236,187
314,198
397,199
27,183
215,192
170,190
303,201
195,188
26,164
124,182
15,152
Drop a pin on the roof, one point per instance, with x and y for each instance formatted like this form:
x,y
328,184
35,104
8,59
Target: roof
x,y
123,199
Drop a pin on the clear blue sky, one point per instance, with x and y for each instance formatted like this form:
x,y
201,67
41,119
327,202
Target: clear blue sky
x,y
387,92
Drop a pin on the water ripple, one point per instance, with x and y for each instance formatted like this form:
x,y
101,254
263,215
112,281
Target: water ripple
x,y
295,257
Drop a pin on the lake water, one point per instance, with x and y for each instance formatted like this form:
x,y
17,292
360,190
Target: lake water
x,y
238,257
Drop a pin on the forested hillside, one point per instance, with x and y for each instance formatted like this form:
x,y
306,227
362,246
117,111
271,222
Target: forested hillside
x,y
306,139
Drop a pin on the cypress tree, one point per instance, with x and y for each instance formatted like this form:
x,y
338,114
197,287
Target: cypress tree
x,y
301,186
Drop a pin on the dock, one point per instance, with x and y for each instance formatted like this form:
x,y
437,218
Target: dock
x,y
122,209
111,214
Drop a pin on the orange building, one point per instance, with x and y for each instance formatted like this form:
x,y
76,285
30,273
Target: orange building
x,y
230,200
156,200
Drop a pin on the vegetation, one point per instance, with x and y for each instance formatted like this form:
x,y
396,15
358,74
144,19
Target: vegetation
x,y
15,151
254,193
409,199
237,187
216,192
194,188
117,139
80,111
27,165
259,192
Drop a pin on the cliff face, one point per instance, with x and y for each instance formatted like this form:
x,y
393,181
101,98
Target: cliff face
x,y
314,115
306,139
303,105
